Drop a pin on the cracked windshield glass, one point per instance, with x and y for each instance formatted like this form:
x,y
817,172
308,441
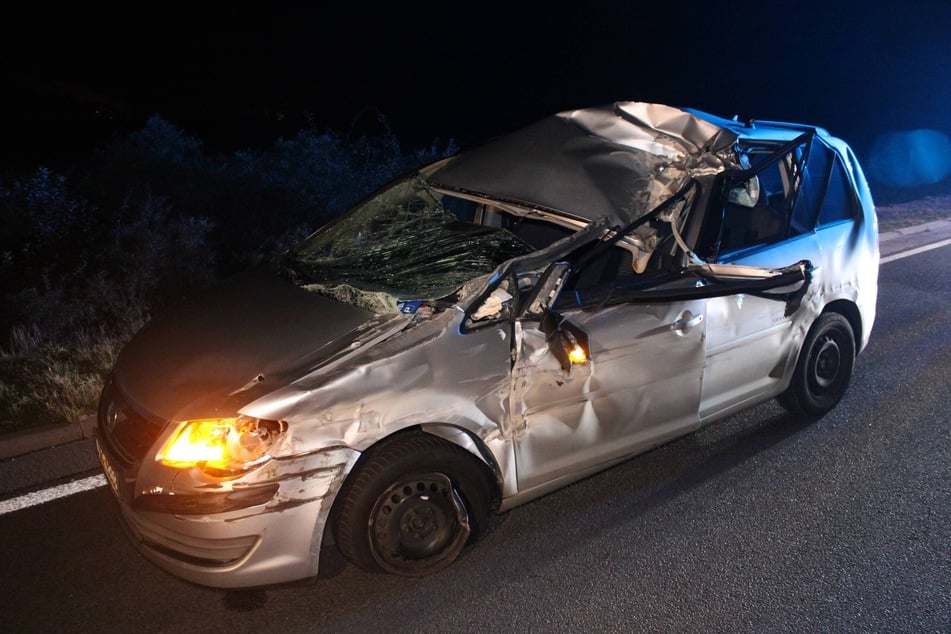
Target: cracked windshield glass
x,y
406,243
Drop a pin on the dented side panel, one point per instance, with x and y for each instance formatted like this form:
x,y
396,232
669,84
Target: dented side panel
x,y
751,342
640,387
430,374
851,257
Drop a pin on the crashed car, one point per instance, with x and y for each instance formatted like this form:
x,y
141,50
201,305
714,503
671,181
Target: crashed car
x,y
485,330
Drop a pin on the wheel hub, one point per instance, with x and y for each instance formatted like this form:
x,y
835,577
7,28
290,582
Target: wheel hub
x,y
828,360
419,522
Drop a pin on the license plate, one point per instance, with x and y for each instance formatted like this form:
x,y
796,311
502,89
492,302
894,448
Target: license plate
x,y
112,476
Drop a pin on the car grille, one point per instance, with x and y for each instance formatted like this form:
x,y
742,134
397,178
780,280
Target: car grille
x,y
129,433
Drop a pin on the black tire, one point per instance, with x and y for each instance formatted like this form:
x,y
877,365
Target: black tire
x,y
411,505
824,368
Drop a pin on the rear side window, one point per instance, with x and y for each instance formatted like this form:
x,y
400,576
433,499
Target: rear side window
x,y
826,195
838,204
808,202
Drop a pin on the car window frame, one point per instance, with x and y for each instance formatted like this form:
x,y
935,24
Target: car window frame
x,y
734,177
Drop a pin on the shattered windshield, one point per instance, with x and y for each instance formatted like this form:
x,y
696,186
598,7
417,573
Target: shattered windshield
x,y
406,243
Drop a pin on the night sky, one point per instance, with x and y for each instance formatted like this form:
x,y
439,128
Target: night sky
x,y
240,74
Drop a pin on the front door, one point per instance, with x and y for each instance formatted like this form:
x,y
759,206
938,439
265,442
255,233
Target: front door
x,y
639,387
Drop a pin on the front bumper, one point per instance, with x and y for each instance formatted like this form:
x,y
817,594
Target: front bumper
x,y
264,533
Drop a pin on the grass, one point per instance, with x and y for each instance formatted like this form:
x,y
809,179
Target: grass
x,y
45,381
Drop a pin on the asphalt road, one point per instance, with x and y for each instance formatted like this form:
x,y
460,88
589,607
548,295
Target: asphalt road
x,y
759,523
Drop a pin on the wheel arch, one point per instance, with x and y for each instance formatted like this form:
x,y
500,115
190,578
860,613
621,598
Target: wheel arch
x,y
453,434
472,443
851,312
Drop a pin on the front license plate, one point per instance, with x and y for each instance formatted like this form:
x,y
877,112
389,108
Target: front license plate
x,y
112,476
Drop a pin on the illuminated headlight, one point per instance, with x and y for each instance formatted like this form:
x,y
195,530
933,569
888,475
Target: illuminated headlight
x,y
222,446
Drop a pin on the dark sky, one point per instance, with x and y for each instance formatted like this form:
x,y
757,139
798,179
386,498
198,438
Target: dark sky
x,y
238,74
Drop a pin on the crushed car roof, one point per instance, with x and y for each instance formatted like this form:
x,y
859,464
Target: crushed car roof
x,y
616,161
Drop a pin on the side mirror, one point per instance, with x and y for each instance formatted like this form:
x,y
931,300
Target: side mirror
x,y
566,341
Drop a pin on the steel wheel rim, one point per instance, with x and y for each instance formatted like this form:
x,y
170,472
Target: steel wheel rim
x,y
826,365
418,525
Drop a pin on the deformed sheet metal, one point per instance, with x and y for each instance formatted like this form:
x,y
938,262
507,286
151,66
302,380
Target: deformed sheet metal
x,y
616,162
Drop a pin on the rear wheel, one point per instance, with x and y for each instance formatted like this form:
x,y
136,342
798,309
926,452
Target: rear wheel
x,y
824,368
411,505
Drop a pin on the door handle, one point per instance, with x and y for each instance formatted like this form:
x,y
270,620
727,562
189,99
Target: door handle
x,y
687,321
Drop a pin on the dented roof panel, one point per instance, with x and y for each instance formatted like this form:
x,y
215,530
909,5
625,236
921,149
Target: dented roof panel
x,y
615,161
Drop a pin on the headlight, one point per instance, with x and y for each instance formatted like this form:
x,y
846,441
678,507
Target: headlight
x,y
222,446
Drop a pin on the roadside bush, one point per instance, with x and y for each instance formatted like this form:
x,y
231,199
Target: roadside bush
x,y
87,255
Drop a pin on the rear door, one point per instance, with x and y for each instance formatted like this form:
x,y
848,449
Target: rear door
x,y
768,221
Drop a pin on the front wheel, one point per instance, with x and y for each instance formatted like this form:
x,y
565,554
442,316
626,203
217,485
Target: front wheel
x,y
411,505
824,368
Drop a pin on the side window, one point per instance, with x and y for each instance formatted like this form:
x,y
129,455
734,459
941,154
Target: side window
x,y
838,204
756,212
783,192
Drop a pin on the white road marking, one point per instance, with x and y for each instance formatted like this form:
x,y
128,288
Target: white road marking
x,y
53,493
905,254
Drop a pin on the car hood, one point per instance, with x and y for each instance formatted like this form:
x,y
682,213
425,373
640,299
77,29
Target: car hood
x,y
208,356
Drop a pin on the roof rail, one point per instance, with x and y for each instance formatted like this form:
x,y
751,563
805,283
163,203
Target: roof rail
x,y
783,124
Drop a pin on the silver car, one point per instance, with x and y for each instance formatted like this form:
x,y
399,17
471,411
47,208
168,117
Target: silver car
x,y
486,330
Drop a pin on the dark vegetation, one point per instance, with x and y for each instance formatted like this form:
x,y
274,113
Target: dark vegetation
x,y
88,253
